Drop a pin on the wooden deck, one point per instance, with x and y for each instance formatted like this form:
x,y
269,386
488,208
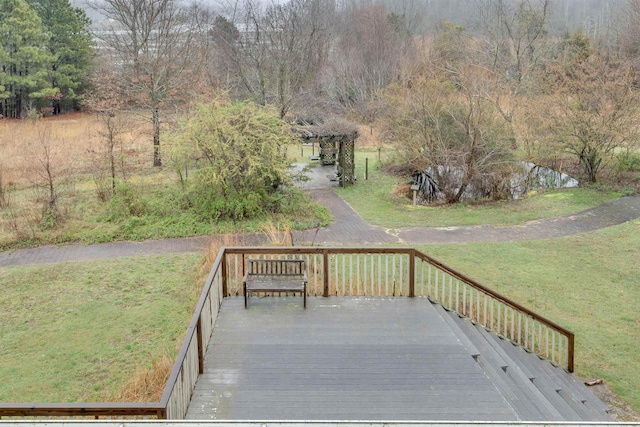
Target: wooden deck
x,y
342,359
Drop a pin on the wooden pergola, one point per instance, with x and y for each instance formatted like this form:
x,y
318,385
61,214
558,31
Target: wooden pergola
x,y
336,146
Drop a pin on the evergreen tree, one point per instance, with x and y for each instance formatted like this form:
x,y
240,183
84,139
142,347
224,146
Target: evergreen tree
x,y
71,44
25,63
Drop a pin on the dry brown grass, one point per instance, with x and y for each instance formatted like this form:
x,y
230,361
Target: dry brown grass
x,y
211,253
278,236
147,382
369,137
77,133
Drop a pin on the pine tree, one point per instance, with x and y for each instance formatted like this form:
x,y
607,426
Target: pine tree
x,y
25,63
71,43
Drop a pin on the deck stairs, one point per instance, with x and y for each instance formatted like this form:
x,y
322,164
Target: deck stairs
x,y
535,389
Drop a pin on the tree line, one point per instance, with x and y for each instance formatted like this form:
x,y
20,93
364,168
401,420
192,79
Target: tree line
x,y
45,56
509,81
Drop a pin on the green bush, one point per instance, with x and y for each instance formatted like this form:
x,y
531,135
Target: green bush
x,y
127,201
242,149
211,204
50,218
628,162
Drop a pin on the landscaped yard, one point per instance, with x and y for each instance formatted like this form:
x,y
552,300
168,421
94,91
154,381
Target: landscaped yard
x,y
87,327
376,201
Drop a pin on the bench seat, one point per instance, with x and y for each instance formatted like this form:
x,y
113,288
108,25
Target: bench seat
x,y
271,276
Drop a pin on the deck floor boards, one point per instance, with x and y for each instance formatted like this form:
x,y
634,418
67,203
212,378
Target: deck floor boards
x,y
341,359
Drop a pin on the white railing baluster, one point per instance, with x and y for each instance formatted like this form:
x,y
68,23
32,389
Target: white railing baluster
x,y
484,310
351,275
386,275
380,274
373,288
401,282
336,266
358,274
344,274
393,275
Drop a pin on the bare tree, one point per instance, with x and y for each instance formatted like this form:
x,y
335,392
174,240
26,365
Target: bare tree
x,y
107,99
370,47
443,125
275,51
630,31
593,108
515,43
151,41
49,167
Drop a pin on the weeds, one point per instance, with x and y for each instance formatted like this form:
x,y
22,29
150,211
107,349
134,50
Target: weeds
x,y
278,235
211,253
6,189
147,382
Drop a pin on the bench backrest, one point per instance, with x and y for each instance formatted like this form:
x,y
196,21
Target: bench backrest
x,y
276,267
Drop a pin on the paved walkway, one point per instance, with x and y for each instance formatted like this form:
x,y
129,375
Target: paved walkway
x,y
347,229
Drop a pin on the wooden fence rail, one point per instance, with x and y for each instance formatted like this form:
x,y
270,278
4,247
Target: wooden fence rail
x,y
333,271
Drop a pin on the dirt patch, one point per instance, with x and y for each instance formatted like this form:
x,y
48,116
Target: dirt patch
x,y
620,411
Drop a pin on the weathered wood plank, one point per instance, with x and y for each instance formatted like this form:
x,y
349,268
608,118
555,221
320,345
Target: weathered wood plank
x,y
356,358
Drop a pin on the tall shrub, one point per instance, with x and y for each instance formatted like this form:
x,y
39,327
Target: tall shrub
x,y
241,151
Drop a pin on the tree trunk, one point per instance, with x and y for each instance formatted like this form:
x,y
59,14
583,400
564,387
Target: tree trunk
x,y
157,161
112,160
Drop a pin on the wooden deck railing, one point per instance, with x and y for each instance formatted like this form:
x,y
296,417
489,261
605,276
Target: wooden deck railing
x,y
333,271
408,272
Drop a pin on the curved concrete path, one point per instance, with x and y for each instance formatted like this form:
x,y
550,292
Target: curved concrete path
x,y
347,229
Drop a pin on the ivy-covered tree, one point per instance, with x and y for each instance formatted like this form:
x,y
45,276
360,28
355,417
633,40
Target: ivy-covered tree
x,y
243,147
71,44
25,62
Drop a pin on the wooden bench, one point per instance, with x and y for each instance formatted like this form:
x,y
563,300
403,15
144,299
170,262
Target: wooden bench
x,y
275,275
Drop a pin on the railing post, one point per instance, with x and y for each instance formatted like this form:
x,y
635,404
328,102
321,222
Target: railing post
x,y
200,347
325,272
412,273
223,272
570,351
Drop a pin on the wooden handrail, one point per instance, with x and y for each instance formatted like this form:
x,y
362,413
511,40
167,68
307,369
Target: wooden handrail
x,y
89,409
193,328
508,302
494,294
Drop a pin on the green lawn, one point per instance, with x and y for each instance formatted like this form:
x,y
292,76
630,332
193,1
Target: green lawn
x,y
375,202
76,331
587,283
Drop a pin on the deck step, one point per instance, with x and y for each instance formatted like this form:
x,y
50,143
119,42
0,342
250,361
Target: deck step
x,y
547,384
556,394
496,368
522,379
573,390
